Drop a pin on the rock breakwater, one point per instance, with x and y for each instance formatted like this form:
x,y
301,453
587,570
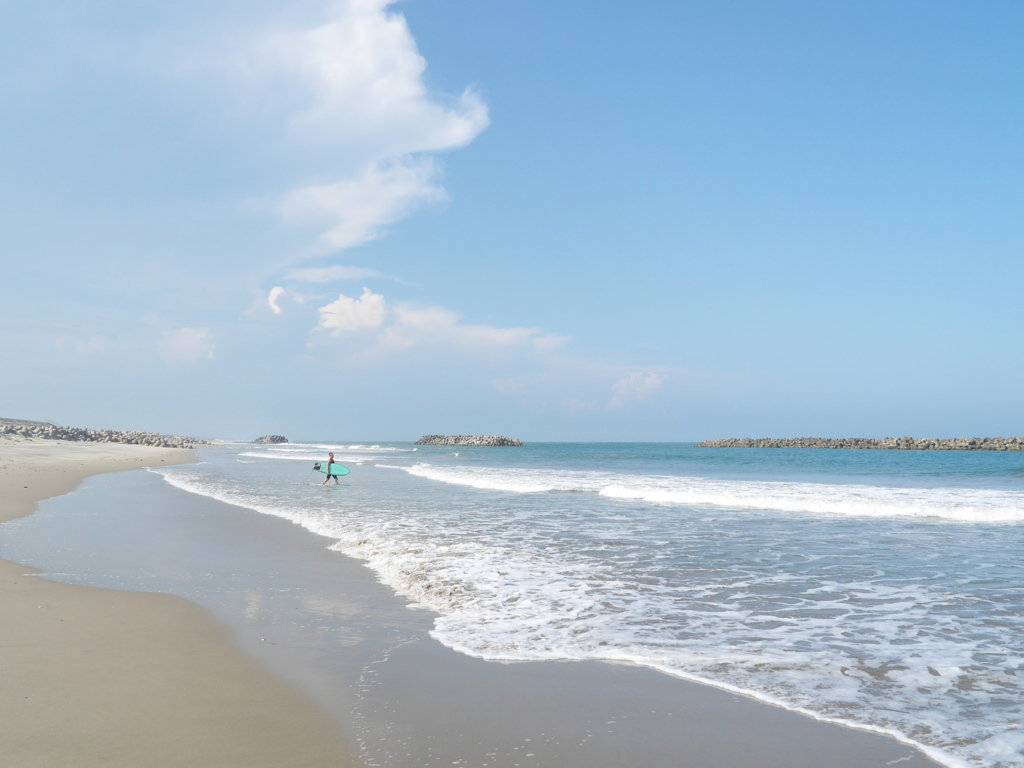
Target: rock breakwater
x,y
470,440
270,440
41,431
886,444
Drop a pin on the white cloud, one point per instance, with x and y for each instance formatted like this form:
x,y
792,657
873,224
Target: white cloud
x,y
186,346
279,292
358,209
347,99
406,325
330,274
551,341
636,386
418,325
347,314
275,294
357,79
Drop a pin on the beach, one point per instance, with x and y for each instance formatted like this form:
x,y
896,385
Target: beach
x,y
295,651
94,677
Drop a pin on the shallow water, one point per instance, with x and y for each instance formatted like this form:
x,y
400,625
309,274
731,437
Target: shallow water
x,y
881,589
324,622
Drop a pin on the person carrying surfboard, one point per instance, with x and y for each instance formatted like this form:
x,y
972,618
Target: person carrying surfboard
x,y
330,460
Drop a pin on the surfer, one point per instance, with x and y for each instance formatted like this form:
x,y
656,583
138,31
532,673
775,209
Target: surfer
x,y
330,460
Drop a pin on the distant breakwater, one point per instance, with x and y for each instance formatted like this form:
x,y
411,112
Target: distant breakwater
x,y
470,440
886,444
270,440
39,431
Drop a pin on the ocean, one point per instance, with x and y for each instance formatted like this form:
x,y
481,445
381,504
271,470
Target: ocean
x,y
879,589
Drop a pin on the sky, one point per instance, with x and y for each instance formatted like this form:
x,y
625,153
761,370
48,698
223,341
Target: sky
x,y
654,221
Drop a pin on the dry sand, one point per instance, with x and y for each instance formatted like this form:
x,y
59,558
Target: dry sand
x,y
94,677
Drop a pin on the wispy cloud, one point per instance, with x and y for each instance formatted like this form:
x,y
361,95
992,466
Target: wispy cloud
x,y
403,326
186,346
636,386
330,274
418,325
358,209
95,345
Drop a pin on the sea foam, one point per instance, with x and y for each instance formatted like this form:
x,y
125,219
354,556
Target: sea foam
x,y
962,504
853,603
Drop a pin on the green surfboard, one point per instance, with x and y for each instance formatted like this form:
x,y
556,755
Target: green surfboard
x,y
336,469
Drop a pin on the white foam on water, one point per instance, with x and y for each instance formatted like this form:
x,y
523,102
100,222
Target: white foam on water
x,y
340,455
962,504
295,456
901,654
316,451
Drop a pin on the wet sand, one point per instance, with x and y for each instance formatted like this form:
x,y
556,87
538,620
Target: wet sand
x,y
321,620
93,677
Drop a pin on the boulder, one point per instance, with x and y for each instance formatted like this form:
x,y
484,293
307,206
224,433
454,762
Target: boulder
x,y
45,431
470,440
865,443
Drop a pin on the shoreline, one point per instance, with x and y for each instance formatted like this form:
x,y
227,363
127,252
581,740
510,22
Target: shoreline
x,y
382,682
99,677
324,620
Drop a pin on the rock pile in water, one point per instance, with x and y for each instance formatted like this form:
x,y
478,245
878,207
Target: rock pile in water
x,y
477,440
270,440
888,443
43,431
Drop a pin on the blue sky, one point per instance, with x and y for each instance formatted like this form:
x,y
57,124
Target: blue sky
x,y
577,221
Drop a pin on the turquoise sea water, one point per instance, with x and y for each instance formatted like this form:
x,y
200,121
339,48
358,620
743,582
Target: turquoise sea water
x,y
883,589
